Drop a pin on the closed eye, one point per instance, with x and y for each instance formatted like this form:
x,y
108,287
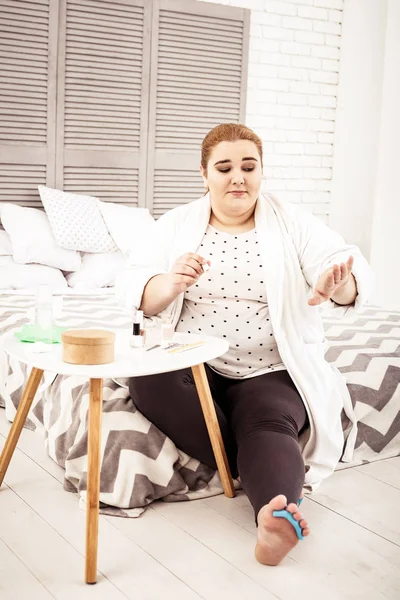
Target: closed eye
x,y
246,169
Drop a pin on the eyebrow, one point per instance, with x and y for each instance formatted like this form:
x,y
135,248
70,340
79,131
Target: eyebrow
x,y
227,160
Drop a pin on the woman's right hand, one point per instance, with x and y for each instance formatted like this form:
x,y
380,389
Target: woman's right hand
x,y
185,271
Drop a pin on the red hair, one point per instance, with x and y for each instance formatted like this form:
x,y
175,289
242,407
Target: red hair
x,y
227,132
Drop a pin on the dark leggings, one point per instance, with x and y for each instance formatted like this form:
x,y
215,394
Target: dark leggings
x,y
260,420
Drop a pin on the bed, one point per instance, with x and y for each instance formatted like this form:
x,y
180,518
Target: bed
x,y
139,463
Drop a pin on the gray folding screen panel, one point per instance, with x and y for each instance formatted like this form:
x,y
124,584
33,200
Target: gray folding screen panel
x,y
112,99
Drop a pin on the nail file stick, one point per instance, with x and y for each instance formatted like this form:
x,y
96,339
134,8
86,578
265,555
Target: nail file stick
x,y
163,346
184,347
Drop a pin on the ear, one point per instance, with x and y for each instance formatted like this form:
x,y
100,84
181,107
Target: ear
x,y
204,176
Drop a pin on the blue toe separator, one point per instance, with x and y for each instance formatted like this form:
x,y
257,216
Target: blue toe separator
x,y
289,517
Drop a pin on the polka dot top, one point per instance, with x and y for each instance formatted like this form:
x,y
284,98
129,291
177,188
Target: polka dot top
x,y
230,301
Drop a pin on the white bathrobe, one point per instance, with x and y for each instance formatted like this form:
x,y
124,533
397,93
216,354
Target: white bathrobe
x,y
296,247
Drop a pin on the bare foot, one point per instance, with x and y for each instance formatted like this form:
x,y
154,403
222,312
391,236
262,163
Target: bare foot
x,y
276,536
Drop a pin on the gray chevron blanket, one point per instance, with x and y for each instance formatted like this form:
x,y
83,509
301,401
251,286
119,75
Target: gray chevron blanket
x,y
139,463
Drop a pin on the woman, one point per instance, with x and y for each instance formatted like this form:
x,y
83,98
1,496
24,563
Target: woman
x,y
269,266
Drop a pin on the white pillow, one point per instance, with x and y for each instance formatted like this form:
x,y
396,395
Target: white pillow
x,y
5,244
76,221
98,270
128,225
33,241
14,276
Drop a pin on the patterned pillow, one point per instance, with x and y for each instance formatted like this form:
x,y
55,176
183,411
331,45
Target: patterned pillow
x,y
76,221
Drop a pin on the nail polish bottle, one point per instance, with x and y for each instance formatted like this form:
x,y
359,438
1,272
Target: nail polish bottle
x,y
167,332
137,338
140,318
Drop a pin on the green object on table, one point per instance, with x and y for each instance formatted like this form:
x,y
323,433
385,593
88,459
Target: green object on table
x,y
27,334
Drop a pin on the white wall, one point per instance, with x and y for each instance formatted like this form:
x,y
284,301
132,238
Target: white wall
x,y
365,200
292,90
385,238
358,120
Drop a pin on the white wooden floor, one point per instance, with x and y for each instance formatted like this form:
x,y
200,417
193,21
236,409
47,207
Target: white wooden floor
x,y
197,549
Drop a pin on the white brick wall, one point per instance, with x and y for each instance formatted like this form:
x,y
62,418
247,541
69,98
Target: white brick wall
x,y
292,89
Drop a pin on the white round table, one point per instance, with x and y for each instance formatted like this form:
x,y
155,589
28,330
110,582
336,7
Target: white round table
x,y
129,362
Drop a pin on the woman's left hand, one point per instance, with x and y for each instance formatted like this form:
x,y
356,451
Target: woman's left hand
x,y
331,281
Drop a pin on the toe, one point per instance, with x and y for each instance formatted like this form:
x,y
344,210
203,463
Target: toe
x,y
298,516
303,524
278,503
293,508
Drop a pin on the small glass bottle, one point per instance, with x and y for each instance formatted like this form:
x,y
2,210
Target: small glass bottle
x,y
137,337
167,332
44,314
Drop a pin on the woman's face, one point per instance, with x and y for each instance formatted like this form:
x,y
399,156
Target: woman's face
x,y
233,177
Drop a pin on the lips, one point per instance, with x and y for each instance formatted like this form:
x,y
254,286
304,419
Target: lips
x,y
237,192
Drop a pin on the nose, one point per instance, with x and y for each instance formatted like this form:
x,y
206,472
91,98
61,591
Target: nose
x,y
237,178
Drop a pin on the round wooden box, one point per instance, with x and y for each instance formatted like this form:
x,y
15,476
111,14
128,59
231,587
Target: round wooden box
x,y
88,346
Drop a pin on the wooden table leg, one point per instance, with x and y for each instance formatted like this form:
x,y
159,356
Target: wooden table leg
x,y
19,420
93,478
214,431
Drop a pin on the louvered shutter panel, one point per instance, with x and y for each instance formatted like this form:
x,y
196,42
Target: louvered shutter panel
x,y
199,78
102,98
28,32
